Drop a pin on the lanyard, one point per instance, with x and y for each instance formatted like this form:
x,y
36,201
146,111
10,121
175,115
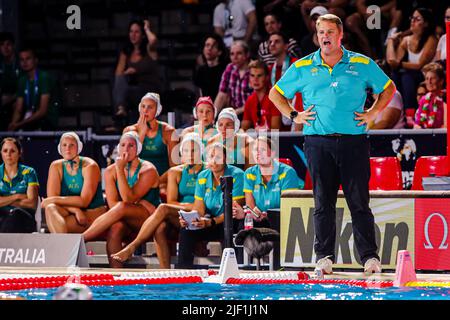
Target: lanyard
x,y
228,17
285,66
27,91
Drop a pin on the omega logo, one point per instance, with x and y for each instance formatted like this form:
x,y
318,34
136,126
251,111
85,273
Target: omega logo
x,y
443,244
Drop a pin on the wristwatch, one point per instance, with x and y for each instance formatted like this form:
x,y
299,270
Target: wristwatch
x,y
293,114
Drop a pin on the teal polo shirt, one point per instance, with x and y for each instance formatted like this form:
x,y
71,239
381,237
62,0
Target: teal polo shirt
x,y
268,196
336,93
26,176
213,196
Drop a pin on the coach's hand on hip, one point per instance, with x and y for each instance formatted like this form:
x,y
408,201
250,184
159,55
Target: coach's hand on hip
x,y
365,117
304,116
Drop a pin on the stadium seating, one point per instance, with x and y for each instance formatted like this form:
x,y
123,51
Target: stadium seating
x,y
385,174
308,182
427,166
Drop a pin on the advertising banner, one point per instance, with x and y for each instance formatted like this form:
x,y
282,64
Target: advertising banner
x,y
394,219
42,250
432,219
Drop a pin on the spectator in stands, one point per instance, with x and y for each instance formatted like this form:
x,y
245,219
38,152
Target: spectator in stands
x,y
209,203
421,91
336,7
205,113
419,49
278,48
411,113
430,113
235,20
234,87
158,138
210,69
392,116
9,76
441,51
132,193
259,112
137,70
74,189
404,9
37,100
273,25
237,144
357,24
264,182
180,196
18,190
310,43
290,15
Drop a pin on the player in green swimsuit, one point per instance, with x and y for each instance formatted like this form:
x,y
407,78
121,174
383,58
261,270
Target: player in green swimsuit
x,y
157,137
180,195
238,144
132,193
74,194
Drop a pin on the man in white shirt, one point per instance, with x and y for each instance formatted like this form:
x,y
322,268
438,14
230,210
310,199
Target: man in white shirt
x,y
235,20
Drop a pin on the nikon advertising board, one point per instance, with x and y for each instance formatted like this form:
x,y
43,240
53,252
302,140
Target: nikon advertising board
x,y
394,218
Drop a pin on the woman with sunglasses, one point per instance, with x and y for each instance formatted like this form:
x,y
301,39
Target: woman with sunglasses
x,y
418,48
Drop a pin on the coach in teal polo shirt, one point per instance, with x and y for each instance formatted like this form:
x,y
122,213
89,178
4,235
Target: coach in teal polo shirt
x,y
18,190
267,196
336,93
212,196
209,201
26,176
333,83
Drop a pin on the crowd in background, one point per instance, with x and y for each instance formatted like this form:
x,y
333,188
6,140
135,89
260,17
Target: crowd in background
x,y
408,42
158,171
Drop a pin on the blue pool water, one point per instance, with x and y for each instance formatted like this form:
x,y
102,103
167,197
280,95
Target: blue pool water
x,y
208,291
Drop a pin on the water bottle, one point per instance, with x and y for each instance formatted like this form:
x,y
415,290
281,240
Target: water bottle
x,y
248,221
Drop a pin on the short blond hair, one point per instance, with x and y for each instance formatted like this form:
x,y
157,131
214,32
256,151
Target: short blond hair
x,y
330,18
436,68
259,64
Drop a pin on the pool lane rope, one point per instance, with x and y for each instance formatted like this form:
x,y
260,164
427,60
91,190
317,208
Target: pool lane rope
x,y
428,284
193,276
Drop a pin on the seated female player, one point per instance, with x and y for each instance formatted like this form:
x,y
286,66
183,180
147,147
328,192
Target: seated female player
x,y
132,193
180,196
74,192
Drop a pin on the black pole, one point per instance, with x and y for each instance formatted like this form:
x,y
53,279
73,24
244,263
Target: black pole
x,y
226,183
